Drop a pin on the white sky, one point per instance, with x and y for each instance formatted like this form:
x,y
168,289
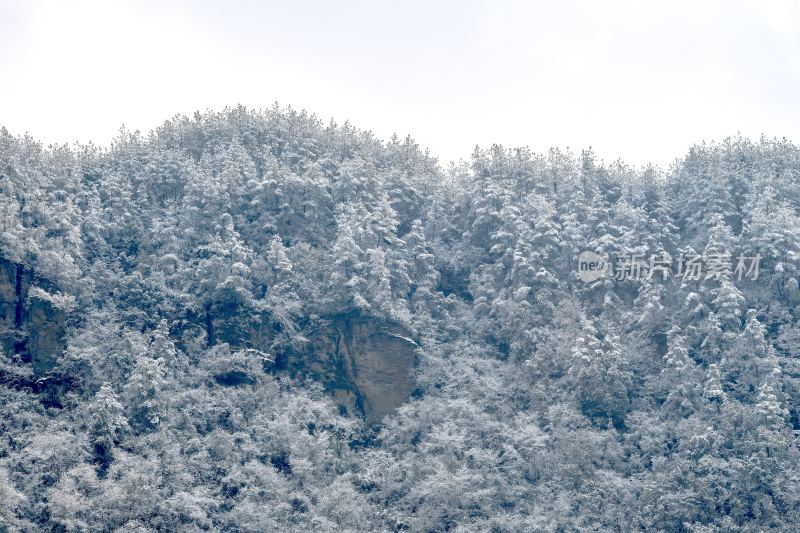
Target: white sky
x,y
633,80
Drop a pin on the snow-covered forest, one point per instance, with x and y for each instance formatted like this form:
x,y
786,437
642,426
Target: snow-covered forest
x,y
175,308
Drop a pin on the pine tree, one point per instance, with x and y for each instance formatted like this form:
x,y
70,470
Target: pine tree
x,y
712,389
142,393
107,426
679,375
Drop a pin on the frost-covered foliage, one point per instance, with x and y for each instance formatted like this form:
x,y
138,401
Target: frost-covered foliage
x,y
543,403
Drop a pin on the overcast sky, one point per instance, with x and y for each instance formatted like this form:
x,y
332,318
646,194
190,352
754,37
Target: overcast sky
x,y
639,82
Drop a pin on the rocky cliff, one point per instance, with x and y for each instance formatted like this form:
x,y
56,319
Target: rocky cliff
x,y
9,313
32,320
364,362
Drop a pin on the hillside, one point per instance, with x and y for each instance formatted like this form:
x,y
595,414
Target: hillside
x,y
254,321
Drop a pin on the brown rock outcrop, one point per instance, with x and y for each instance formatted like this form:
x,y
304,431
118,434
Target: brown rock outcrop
x,y
365,363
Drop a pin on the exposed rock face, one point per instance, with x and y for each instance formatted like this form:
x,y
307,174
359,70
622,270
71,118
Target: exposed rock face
x,y
364,363
46,327
8,304
32,321
367,365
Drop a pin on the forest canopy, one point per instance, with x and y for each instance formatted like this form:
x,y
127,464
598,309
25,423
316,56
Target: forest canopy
x,y
186,276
